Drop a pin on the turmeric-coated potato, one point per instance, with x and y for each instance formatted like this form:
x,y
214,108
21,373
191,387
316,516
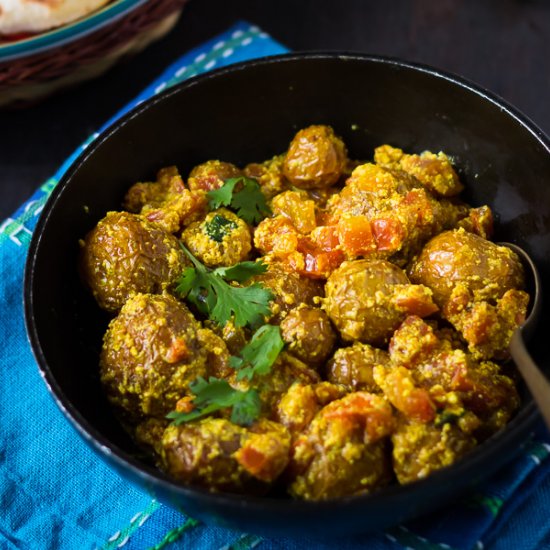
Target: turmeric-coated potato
x,y
352,367
154,194
343,452
222,238
286,371
458,257
167,202
151,353
435,172
269,175
308,334
430,375
316,158
211,175
219,455
125,254
302,401
289,288
367,300
420,449
477,285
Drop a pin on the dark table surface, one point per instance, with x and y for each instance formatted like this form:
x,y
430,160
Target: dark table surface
x,y
503,45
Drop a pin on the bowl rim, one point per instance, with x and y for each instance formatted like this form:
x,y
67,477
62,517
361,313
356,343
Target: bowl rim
x,y
60,36
522,423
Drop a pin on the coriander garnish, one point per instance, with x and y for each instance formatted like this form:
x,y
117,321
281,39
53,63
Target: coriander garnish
x,y
217,394
247,201
220,301
259,354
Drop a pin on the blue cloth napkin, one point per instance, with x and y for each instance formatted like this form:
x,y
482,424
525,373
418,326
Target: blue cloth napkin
x,y
55,493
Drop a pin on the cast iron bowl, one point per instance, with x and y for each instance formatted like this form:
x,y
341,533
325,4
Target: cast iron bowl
x,y
250,112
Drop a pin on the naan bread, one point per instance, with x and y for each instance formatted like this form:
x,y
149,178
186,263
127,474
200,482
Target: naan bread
x,y
40,15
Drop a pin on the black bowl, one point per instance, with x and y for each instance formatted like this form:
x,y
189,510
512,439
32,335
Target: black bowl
x,y
248,112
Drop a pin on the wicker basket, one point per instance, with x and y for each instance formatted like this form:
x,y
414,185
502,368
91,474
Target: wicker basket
x,y
27,78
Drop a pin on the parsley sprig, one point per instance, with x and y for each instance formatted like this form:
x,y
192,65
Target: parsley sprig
x,y
244,196
209,291
216,394
257,357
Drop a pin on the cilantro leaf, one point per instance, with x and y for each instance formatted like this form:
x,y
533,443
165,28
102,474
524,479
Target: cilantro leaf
x,y
250,202
241,272
257,357
217,394
220,301
244,196
248,305
247,408
194,286
223,195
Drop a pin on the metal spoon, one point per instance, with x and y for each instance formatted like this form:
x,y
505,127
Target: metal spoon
x,y
536,381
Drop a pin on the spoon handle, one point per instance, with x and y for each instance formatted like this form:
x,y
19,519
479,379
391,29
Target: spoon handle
x,y
535,380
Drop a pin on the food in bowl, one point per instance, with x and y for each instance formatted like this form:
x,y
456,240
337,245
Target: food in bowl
x,y
21,18
308,323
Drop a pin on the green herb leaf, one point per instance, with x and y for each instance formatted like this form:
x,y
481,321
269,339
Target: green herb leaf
x,y
247,408
244,196
241,272
194,286
223,195
217,394
248,305
257,357
220,301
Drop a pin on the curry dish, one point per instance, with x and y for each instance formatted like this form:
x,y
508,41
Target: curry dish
x,y
307,324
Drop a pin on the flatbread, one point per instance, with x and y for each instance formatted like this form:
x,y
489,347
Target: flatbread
x,y
22,16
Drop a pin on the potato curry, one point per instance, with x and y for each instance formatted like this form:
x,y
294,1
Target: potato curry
x,y
310,323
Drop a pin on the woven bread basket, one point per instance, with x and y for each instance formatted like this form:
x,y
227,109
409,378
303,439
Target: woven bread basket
x,y
29,76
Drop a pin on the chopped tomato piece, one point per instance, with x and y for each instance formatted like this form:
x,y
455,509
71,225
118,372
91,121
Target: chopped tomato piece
x,y
415,300
318,263
355,235
388,234
185,404
177,351
413,402
368,409
298,209
325,237
322,264
417,199
251,460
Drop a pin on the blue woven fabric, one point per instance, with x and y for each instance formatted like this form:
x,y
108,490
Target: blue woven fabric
x,y
56,494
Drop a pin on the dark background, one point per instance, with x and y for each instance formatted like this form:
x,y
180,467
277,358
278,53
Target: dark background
x,y
503,45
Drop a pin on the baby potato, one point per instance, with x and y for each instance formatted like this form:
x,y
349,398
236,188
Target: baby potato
x,y
151,353
289,288
353,366
125,255
316,158
309,335
220,455
368,299
456,257
221,239
211,175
